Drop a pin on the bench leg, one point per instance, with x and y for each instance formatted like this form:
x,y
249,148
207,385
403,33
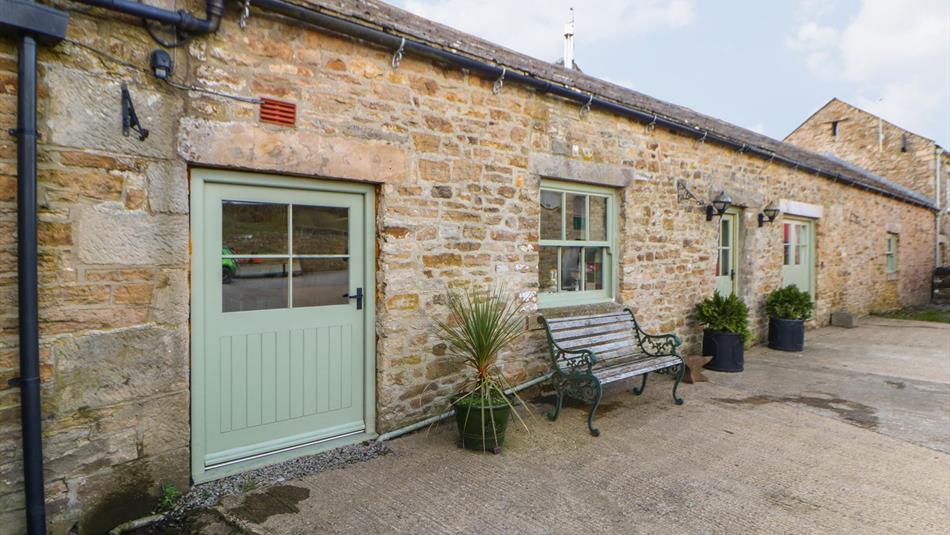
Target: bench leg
x,y
643,385
681,371
590,417
557,406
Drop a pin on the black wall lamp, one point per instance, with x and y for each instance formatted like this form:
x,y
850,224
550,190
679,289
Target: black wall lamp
x,y
719,206
768,214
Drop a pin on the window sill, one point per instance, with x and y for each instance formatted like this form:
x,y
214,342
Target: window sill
x,y
568,302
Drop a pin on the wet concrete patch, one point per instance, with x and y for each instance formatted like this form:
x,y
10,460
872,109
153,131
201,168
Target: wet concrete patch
x,y
571,403
853,412
258,507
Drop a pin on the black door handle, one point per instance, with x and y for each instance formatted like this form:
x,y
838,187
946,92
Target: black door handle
x,y
358,296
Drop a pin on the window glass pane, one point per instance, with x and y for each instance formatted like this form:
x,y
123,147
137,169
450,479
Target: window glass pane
x,y
787,235
598,218
551,215
594,268
253,284
320,230
798,256
571,269
547,269
801,233
788,255
321,281
250,228
576,217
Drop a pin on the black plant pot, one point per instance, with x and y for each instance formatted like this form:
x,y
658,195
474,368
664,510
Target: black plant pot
x,y
786,335
726,350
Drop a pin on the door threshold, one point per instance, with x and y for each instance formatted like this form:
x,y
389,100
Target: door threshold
x,y
237,466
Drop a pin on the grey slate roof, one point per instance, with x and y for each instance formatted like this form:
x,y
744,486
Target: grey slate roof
x,y
381,15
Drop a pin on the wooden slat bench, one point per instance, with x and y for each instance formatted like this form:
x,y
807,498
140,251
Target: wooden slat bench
x,y
594,350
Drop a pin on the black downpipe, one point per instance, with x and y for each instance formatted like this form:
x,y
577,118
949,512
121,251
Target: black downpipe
x,y
393,42
29,380
181,19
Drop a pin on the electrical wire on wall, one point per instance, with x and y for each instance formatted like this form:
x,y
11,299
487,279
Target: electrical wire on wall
x,y
177,85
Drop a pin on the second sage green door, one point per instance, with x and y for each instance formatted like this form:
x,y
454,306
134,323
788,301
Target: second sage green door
x,y
283,339
798,264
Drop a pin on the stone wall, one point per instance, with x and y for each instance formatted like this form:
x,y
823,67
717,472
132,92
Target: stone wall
x,y
900,156
903,157
458,170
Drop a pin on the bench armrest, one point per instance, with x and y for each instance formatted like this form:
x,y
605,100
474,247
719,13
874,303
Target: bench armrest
x,y
657,345
574,360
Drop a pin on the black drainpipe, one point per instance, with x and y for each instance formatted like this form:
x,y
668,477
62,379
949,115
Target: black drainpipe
x,y
32,21
29,380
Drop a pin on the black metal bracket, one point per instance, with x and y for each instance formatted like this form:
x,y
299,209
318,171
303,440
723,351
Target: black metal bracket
x,y
130,121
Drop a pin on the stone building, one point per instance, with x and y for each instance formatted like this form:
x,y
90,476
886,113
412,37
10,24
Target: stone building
x,y
193,320
866,140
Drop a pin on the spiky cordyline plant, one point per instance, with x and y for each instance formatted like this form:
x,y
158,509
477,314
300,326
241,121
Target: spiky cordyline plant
x,y
482,323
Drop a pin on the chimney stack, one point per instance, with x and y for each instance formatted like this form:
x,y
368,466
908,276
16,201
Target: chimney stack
x,y
569,43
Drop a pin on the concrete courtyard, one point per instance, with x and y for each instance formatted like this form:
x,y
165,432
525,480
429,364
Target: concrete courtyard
x,y
850,436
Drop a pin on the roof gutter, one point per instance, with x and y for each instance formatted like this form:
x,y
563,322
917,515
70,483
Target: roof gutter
x,y
392,41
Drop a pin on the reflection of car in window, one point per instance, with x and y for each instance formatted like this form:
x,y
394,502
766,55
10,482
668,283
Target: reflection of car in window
x,y
228,266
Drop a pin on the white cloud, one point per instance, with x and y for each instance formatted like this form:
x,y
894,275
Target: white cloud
x,y
536,27
896,56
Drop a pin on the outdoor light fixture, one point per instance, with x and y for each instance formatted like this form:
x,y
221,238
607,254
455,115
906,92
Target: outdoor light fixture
x,y
719,206
161,64
768,214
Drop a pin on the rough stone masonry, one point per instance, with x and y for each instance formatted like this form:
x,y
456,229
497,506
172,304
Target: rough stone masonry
x,y
457,170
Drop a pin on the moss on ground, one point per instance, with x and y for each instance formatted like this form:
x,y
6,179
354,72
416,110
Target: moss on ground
x,y
935,313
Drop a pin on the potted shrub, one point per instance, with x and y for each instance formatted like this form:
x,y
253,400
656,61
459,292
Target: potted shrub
x,y
726,330
788,308
480,325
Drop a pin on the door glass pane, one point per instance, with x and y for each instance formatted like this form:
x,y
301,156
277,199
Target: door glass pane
x,y
724,262
550,215
252,228
798,256
725,235
594,268
254,284
321,281
320,230
576,217
571,269
547,269
788,255
598,218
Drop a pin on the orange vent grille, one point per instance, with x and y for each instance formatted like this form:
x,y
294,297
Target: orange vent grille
x,y
278,112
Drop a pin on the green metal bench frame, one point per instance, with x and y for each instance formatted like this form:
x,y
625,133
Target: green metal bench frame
x,y
581,373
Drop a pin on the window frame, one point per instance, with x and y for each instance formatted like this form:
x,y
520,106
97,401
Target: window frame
x,y
608,292
890,256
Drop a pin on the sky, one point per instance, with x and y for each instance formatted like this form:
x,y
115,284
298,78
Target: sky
x,y
763,65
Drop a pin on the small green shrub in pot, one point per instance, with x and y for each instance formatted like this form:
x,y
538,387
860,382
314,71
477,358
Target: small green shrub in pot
x,y
481,324
726,331
789,303
788,308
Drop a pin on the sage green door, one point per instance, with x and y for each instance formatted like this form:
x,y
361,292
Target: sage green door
x,y
282,355
798,263
727,254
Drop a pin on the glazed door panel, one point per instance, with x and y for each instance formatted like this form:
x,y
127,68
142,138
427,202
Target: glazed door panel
x,y
283,361
798,264
727,254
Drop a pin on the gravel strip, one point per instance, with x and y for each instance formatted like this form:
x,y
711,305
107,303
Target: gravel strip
x,y
209,494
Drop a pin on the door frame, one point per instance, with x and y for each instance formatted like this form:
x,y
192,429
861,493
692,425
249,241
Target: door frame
x,y
735,216
198,178
812,265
